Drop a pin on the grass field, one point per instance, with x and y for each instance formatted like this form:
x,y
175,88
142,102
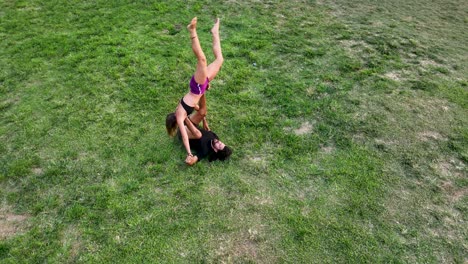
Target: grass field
x,y
348,121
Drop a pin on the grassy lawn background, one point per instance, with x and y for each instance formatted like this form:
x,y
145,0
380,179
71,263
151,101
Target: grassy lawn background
x,y
348,122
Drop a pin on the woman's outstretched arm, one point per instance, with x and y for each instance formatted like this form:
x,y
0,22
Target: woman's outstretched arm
x,y
181,116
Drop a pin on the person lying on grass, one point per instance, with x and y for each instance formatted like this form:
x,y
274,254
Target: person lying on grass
x,y
200,81
203,141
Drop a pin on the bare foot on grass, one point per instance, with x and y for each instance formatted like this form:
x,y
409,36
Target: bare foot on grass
x,y
215,29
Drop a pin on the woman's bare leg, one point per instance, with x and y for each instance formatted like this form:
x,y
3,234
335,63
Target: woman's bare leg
x,y
201,73
215,66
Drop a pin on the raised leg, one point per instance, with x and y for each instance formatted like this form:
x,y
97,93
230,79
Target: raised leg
x,y
201,73
215,66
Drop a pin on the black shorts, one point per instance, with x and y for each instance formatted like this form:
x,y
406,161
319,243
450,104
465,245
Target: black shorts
x,y
188,109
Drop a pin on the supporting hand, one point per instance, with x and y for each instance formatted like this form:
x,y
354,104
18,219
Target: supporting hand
x,y
190,160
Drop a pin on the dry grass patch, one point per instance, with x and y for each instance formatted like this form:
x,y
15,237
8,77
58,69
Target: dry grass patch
x,y
327,149
393,76
428,63
71,240
431,135
213,190
263,200
258,159
355,47
248,239
384,142
451,171
37,171
243,246
11,224
305,128
454,193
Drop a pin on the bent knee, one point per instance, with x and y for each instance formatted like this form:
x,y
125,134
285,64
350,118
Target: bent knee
x,y
202,60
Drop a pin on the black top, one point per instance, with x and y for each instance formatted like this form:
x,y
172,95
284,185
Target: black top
x,y
203,146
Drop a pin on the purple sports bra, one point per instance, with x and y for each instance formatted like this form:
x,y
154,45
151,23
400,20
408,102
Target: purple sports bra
x,y
196,88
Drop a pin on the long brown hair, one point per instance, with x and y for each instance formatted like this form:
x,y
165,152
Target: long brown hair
x,y
171,124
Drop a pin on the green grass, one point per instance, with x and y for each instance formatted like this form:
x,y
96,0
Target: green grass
x,y
348,122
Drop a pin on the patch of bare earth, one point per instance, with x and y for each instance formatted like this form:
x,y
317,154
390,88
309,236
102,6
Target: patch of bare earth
x,y
384,142
11,224
393,76
327,149
451,170
431,135
352,46
426,63
305,128
455,194
264,200
37,171
257,159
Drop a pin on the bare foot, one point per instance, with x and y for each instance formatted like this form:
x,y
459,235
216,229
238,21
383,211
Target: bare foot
x,y
193,24
215,29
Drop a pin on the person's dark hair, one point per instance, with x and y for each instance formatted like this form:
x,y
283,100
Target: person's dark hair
x,y
222,155
171,124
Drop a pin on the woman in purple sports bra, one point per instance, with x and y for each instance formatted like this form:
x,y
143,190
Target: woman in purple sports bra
x,y
199,83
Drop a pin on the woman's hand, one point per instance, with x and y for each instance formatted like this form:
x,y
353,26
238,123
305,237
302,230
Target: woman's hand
x,y
191,159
